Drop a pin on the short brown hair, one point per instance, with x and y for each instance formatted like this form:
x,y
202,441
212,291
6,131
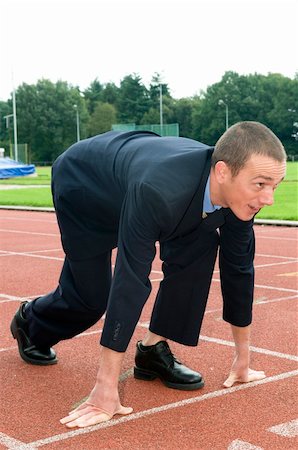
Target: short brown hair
x,y
244,139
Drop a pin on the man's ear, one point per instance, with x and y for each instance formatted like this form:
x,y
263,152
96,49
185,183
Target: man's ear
x,y
221,171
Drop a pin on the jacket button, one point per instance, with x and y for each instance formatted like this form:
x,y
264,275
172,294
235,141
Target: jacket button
x,y
116,331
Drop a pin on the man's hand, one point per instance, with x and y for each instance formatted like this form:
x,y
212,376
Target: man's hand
x,y
103,402
88,414
243,376
240,371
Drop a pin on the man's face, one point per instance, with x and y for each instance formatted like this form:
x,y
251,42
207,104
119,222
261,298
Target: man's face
x,y
253,187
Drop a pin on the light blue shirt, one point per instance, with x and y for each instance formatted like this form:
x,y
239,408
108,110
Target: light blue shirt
x,y
208,207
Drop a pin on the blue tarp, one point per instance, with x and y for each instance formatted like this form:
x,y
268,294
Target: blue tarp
x,y
10,168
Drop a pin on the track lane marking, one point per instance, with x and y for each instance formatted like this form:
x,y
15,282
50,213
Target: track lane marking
x,y
29,232
159,409
263,351
14,444
31,255
213,340
288,429
237,444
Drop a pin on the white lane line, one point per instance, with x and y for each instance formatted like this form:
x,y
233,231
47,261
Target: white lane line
x,y
159,409
34,254
264,351
8,348
31,255
219,341
290,297
29,232
262,255
214,340
258,266
45,251
288,429
88,333
9,253
14,444
275,288
22,219
13,298
260,302
242,445
277,238
261,286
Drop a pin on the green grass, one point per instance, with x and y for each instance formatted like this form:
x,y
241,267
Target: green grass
x,y
27,197
284,208
285,205
292,171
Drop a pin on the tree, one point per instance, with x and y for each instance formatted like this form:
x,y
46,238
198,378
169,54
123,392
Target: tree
x,y
93,94
102,119
254,97
182,111
284,111
133,100
156,88
110,94
151,117
47,117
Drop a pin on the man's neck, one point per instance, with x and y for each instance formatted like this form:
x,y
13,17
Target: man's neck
x,y
215,196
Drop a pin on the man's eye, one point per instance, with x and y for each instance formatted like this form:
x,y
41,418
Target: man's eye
x,y
259,185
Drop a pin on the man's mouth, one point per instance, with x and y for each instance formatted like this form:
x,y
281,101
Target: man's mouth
x,y
254,209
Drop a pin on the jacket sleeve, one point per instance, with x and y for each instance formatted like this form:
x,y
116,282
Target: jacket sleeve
x,y
236,262
144,216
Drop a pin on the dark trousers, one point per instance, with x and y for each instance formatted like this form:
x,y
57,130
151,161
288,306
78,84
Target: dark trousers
x,y
182,297
79,301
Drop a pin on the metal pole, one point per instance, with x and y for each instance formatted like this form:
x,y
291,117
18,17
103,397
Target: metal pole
x,y
78,126
15,125
78,123
9,133
221,102
227,117
160,109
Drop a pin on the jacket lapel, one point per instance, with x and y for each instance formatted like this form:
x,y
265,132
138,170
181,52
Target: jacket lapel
x,y
193,214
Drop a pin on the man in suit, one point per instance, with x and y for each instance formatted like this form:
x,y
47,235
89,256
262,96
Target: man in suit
x,y
131,190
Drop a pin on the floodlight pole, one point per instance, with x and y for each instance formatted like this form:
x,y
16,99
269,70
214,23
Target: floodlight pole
x,y
221,102
160,108
15,131
78,123
9,134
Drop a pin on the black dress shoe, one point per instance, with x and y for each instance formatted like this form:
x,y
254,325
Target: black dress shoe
x,y
157,361
28,351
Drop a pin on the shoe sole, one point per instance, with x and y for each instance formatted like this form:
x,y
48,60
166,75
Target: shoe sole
x,y
16,333
148,375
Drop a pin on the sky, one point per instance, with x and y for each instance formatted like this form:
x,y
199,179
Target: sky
x,y
190,43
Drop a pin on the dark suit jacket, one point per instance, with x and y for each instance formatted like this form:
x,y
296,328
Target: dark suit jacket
x,y
129,190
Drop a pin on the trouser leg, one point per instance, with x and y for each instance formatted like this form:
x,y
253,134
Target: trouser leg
x,y
78,302
182,297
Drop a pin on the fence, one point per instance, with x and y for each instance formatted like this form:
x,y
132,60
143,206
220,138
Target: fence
x,y
169,129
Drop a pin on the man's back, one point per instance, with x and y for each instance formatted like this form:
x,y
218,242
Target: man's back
x,y
93,178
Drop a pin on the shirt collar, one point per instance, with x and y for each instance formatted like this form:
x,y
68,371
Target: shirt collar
x,y
208,206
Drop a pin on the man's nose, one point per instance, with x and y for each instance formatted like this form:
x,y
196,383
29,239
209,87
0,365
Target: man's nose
x,y
267,197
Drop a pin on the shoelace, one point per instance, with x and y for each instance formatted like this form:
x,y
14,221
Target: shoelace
x,y
171,357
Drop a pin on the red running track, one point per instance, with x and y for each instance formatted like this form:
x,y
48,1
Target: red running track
x,y
259,415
